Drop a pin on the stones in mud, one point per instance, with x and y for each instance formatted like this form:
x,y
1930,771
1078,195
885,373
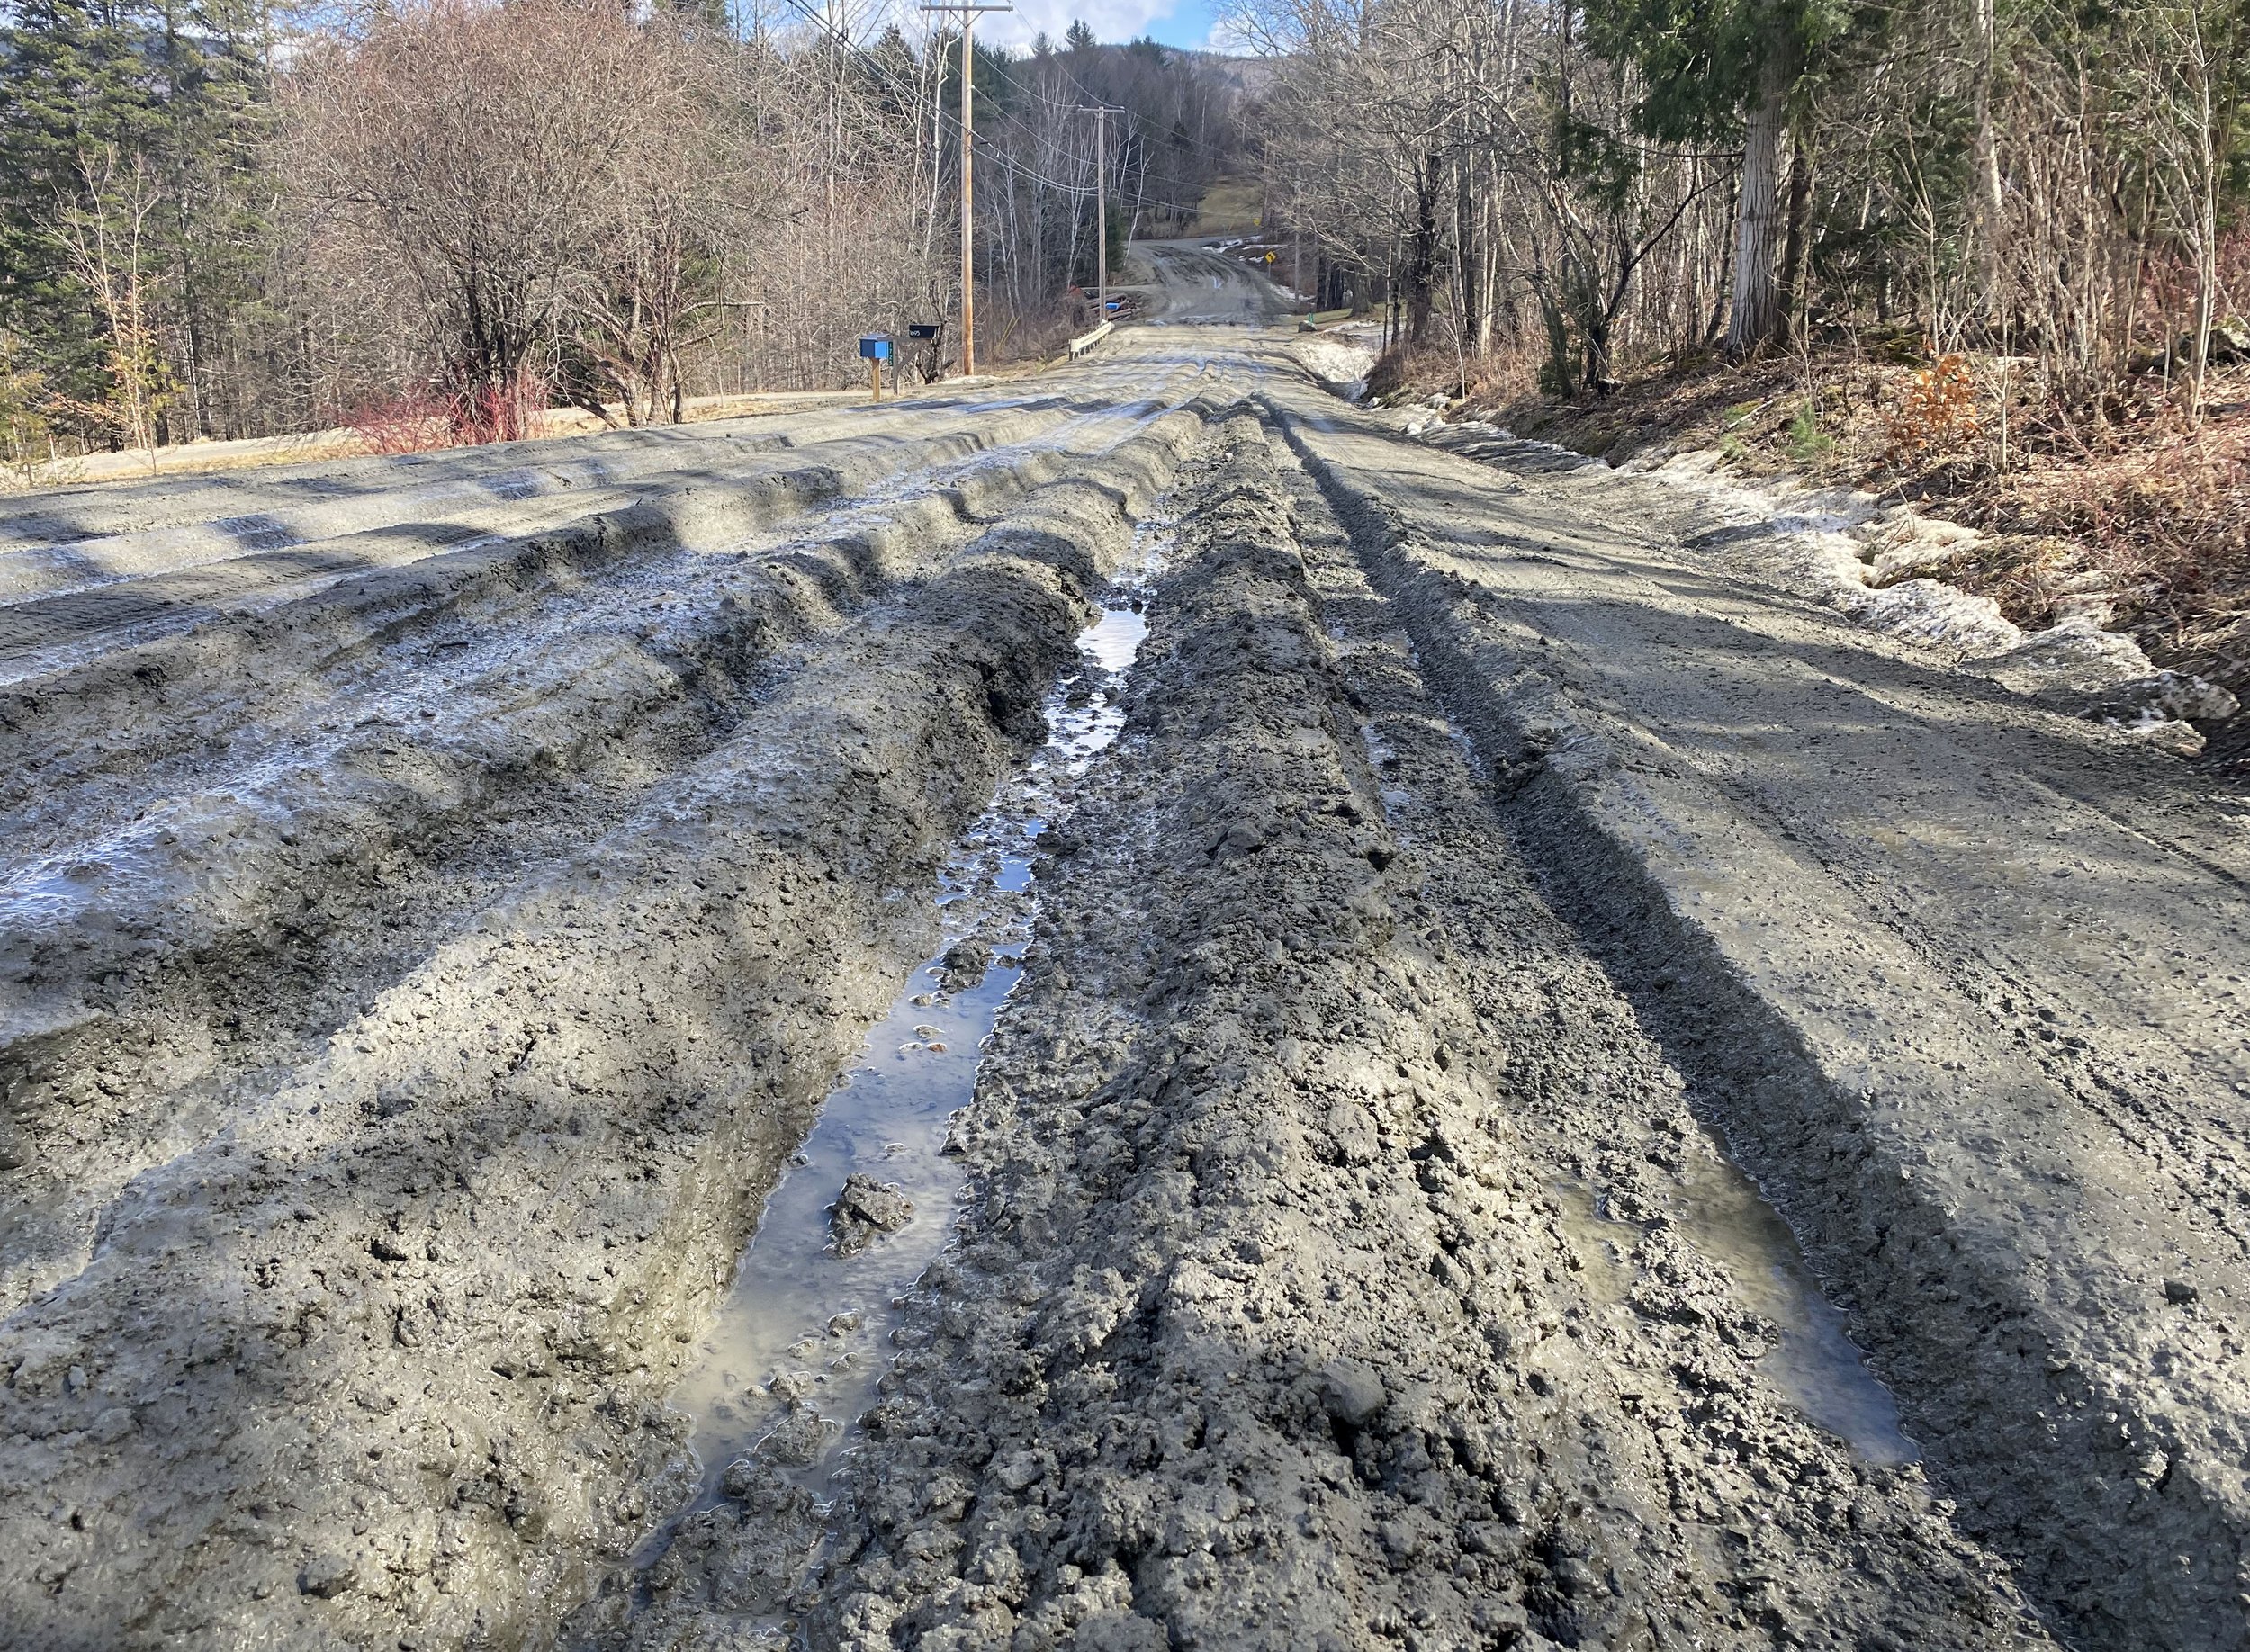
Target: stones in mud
x,y
796,1441
1352,1393
865,1211
964,964
327,1575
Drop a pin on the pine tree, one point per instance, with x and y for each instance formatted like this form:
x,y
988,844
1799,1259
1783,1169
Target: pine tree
x,y
1712,70
154,115
74,90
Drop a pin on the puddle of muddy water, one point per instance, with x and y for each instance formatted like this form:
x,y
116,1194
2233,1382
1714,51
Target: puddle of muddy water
x,y
804,1335
1817,1367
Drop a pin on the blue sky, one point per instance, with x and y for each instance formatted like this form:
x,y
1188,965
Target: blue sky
x,y
1174,23
1188,25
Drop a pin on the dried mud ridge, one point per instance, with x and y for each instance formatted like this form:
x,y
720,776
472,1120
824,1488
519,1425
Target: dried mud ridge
x,y
425,950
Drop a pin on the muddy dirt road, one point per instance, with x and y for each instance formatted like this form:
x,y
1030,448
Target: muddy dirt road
x,y
1124,1010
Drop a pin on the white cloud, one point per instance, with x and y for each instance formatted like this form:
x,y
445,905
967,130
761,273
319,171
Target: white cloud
x,y
1110,20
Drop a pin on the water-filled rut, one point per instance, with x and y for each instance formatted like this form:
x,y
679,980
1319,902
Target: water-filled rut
x,y
799,1340
776,1388
412,1284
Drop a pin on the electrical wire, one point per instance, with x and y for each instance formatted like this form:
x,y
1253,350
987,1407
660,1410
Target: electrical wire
x,y
999,156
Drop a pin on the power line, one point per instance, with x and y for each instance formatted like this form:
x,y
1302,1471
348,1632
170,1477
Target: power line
x,y
997,156
968,11
1000,157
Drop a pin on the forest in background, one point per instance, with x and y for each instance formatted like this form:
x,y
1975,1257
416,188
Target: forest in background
x,y
2059,182
431,220
1988,254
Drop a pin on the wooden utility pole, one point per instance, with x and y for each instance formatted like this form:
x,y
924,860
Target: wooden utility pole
x,y
1100,216
969,14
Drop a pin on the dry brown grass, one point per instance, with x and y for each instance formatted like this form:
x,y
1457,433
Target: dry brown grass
x,y
2162,511
1488,381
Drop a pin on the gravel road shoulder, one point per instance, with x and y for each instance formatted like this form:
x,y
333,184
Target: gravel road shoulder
x,y
1961,979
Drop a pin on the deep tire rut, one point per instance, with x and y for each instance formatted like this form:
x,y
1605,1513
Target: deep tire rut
x,y
1273,1325
393,1335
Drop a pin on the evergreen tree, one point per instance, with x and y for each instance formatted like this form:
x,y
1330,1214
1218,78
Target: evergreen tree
x,y
76,91
1713,69
154,115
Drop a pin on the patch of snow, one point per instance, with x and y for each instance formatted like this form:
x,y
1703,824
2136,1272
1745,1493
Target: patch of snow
x,y
1842,546
1339,364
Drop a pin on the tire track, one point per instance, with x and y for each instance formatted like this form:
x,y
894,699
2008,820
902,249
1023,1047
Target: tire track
x,y
388,1346
1273,1325
2027,1264
200,940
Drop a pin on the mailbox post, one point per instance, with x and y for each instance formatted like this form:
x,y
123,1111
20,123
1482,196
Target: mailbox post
x,y
876,347
925,335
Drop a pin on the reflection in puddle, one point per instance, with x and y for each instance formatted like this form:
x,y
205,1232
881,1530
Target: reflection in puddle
x,y
799,1340
803,1338
1818,1368
1114,642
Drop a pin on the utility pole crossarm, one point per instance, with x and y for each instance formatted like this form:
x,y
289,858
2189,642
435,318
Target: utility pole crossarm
x,y
969,14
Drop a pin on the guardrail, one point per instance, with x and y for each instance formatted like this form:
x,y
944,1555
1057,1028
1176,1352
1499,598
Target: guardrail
x,y
1322,318
1086,342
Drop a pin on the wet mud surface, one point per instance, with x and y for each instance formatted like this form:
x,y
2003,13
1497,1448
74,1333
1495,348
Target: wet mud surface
x,y
1130,1013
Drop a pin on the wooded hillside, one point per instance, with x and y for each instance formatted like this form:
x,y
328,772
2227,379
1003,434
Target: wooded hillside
x,y
1988,255
430,221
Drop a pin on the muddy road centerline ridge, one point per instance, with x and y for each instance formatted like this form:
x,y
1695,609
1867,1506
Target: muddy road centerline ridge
x,y
1266,1325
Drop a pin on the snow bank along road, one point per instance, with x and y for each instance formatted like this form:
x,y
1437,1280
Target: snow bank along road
x,y
440,894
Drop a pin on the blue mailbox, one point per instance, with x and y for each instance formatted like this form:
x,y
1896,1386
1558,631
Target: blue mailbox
x,y
875,347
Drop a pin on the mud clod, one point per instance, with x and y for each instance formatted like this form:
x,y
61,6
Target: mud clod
x,y
965,963
1352,1394
865,1211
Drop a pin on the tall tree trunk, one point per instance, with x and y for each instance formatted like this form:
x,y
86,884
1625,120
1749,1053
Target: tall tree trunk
x,y
1422,251
1795,248
1985,204
1465,253
1758,215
